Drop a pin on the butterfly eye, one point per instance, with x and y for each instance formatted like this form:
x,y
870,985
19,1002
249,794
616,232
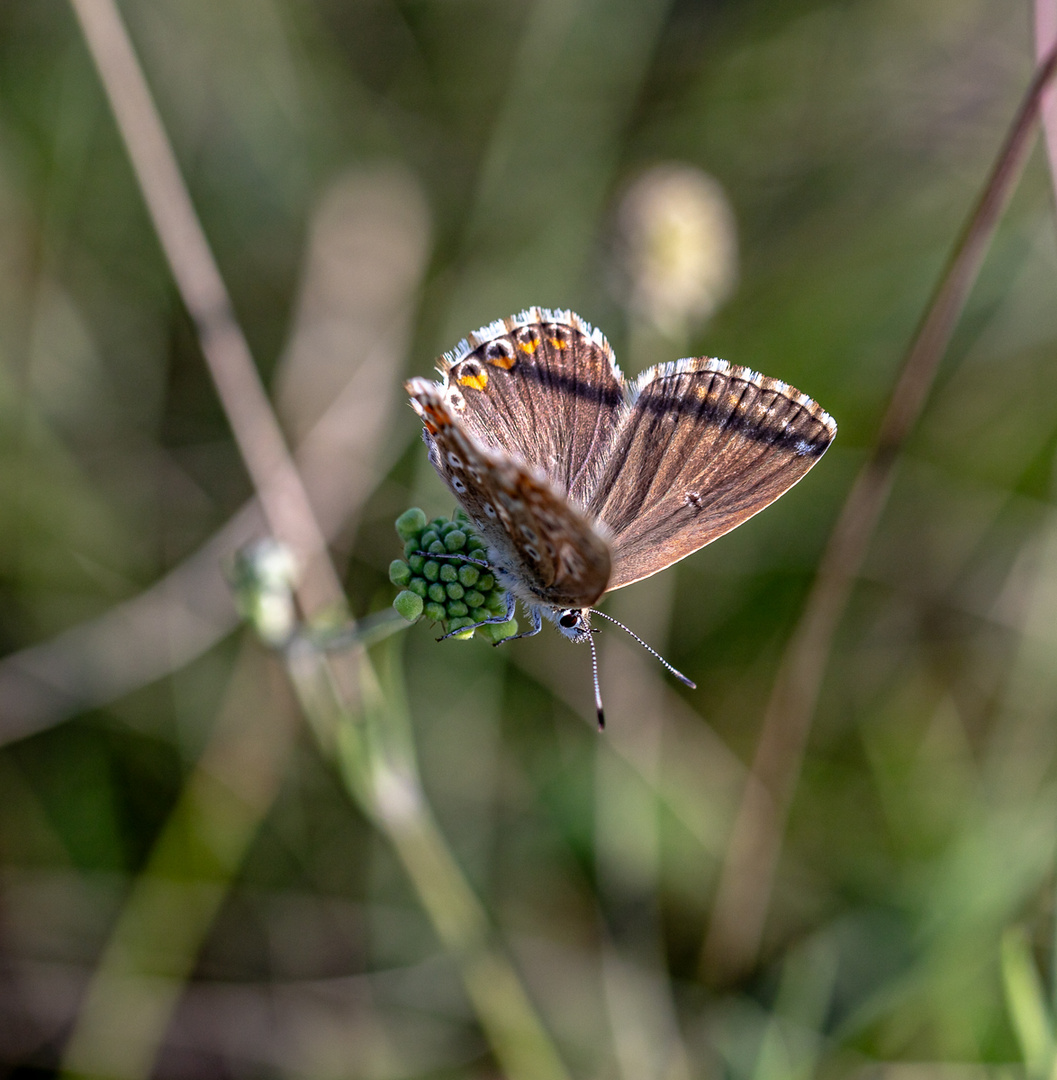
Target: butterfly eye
x,y
568,620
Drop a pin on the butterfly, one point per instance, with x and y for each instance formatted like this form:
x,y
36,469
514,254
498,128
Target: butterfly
x,y
582,482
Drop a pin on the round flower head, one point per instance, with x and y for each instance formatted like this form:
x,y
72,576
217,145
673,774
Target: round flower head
x,y
436,582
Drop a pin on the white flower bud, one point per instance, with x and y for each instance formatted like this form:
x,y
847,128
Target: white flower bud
x,y
264,577
677,247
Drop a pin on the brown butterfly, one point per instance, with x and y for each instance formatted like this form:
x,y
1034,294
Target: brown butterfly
x,y
581,482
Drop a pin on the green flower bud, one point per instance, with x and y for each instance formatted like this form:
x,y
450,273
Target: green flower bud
x,y
410,548
437,594
410,523
430,536
473,598
418,586
456,623
434,612
455,541
437,548
468,574
478,614
448,572
416,562
431,570
399,572
409,605
455,590
498,632
457,609
486,583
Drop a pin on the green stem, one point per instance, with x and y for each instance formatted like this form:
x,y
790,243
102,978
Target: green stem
x,y
374,753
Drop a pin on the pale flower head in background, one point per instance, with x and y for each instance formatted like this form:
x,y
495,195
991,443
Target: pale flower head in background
x,y
677,254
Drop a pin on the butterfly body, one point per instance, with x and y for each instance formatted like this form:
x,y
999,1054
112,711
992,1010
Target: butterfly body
x,y
581,481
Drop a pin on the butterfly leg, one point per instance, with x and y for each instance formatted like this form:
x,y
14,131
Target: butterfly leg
x,y
537,624
505,616
460,557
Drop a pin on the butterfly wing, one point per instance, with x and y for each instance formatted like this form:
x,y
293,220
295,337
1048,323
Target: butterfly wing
x,y
548,545
701,447
543,386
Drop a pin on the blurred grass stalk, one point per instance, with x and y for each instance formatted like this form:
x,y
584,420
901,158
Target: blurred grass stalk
x,y
1045,40
746,881
156,940
364,731
1028,1008
336,384
674,262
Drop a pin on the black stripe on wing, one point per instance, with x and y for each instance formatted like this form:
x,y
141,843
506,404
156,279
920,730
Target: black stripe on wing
x,y
702,447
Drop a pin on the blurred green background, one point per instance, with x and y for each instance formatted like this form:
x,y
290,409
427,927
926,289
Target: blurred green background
x,y
378,179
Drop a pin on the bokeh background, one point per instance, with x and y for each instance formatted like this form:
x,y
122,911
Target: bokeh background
x,y
377,179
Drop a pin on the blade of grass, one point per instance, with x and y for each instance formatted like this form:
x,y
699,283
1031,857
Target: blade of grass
x,y
185,613
1045,40
1026,1002
175,899
375,753
746,880
361,729
227,353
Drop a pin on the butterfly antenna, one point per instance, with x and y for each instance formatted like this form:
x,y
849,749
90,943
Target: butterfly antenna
x,y
598,691
653,652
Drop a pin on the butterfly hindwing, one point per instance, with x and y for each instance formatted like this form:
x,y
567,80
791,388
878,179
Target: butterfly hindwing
x,y
701,448
548,546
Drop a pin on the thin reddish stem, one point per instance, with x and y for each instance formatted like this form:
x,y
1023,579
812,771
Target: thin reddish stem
x,y
746,880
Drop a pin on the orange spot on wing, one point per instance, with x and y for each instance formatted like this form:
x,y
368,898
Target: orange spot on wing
x,y
558,343
529,346
474,382
504,362
434,418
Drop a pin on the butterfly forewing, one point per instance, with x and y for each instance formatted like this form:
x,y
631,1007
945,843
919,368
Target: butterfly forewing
x,y
543,386
549,547
702,447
